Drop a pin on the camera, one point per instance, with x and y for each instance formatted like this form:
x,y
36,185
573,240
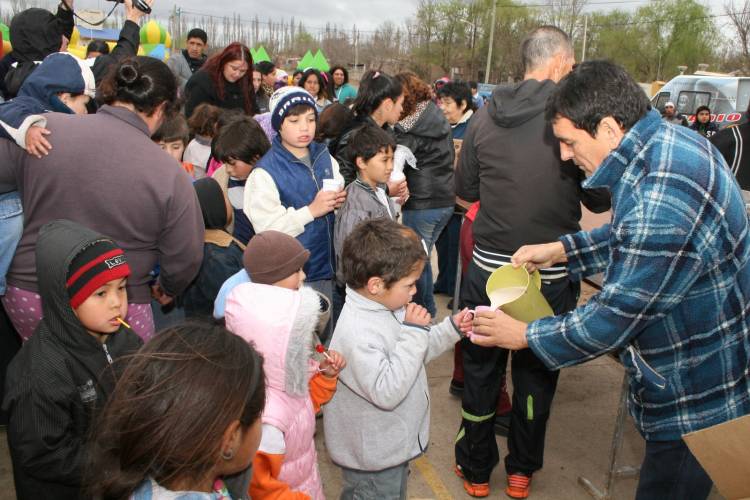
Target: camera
x,y
138,4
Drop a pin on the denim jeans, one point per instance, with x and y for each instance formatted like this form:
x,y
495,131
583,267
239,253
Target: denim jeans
x,y
11,228
428,224
671,472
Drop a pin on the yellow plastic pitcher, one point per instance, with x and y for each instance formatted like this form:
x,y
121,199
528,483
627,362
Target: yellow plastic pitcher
x,y
517,294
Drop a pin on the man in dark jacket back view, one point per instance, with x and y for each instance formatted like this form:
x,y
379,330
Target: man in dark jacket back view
x,y
510,161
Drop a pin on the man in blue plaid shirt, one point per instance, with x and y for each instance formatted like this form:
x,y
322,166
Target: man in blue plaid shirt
x,y
674,302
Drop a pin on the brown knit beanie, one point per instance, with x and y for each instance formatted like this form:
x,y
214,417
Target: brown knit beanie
x,y
272,256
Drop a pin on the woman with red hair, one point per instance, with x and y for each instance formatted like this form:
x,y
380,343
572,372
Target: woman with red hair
x,y
225,80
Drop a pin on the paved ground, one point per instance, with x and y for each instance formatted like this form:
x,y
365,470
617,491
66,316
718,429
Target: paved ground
x,y
578,437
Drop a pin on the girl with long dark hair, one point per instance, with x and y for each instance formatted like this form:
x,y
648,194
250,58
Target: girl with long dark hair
x,y
184,416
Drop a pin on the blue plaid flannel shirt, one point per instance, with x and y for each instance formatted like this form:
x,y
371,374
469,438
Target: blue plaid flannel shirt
x,y
674,301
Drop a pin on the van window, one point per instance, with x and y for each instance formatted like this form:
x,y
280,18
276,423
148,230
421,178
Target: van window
x,y
689,101
743,95
661,100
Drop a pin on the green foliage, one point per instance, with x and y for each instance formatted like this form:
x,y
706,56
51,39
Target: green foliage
x,y
652,41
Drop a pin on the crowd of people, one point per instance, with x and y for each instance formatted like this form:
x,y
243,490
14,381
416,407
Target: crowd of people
x,y
203,256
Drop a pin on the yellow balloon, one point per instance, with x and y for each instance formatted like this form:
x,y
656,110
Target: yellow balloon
x,y
79,52
75,38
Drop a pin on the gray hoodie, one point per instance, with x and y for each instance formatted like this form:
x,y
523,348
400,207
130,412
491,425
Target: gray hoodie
x,y
380,414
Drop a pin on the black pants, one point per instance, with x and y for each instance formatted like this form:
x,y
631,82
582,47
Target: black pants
x,y
533,390
10,344
671,472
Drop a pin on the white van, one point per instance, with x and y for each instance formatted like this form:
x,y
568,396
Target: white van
x,y
726,96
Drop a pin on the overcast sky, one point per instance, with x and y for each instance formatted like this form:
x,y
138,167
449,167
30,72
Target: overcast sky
x,y
366,14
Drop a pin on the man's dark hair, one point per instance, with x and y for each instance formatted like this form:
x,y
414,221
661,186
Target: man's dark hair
x,y
542,44
265,67
97,46
197,33
369,141
459,92
595,90
242,139
144,82
702,108
473,85
173,128
382,248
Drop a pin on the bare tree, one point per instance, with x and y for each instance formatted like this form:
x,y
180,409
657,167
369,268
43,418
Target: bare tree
x,y
740,20
565,14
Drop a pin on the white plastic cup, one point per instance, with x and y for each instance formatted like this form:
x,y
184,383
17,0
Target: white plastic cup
x,y
332,185
397,176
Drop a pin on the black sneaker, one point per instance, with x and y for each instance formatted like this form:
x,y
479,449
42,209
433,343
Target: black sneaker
x,y
456,388
502,425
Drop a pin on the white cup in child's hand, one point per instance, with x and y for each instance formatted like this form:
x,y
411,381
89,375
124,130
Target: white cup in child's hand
x,y
397,176
332,185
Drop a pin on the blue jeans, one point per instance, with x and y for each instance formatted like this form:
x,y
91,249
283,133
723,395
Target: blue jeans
x,y
11,229
428,224
671,472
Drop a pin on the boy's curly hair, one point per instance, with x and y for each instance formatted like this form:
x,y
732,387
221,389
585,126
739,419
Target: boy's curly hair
x,y
382,248
204,119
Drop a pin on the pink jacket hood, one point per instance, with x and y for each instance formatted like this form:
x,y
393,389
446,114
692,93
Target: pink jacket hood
x,y
281,324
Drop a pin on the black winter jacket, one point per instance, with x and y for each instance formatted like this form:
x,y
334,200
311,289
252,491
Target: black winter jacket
x,y
510,161
35,33
731,143
339,147
431,184
200,88
59,379
127,46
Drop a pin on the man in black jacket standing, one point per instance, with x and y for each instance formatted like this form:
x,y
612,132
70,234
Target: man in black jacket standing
x,y
510,161
731,143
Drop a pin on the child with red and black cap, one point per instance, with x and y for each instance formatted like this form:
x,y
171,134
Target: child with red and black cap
x,y
64,373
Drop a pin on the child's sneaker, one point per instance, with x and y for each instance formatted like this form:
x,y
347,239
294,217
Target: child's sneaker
x,y
519,485
479,490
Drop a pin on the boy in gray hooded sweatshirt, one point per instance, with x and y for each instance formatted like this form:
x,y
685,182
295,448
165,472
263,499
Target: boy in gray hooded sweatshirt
x,y
379,418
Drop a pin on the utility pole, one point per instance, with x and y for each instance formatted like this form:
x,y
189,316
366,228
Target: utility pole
x,y
492,38
585,34
356,48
